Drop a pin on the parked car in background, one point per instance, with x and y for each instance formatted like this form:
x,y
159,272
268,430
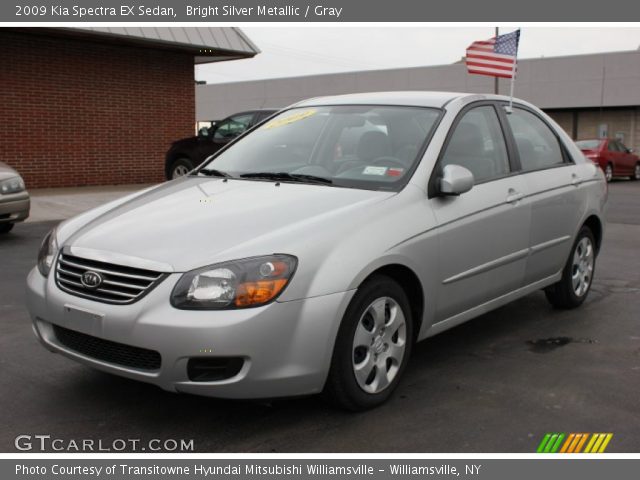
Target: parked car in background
x,y
14,198
615,159
313,252
187,153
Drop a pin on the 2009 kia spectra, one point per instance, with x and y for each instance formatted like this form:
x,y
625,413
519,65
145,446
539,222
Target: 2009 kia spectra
x,y
311,253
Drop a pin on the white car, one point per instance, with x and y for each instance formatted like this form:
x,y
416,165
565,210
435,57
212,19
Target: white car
x,y
310,254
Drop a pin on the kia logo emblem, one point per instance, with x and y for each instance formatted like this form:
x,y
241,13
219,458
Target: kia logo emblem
x,y
91,279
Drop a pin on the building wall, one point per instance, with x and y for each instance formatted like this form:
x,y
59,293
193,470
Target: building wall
x,y
579,81
619,121
83,113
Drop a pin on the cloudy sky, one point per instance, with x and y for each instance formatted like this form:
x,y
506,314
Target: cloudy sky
x,y
288,52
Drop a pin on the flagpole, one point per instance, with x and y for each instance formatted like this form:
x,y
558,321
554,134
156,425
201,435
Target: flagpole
x,y
513,81
513,77
496,85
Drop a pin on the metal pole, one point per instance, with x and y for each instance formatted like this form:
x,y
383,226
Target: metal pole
x,y
496,86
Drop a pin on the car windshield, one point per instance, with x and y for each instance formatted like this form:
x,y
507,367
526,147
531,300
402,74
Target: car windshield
x,y
359,146
588,144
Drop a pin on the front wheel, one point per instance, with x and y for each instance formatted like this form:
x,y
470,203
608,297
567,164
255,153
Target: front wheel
x,y
373,346
180,168
636,172
577,274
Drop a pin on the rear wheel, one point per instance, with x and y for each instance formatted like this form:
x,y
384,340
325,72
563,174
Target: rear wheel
x,y
6,227
636,172
608,172
373,346
180,168
577,274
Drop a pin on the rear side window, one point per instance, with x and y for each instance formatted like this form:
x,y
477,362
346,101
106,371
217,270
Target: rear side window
x,y
477,144
537,144
613,146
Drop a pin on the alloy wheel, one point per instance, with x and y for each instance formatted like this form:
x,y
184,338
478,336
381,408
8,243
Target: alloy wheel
x,y
379,345
179,171
636,172
608,173
582,267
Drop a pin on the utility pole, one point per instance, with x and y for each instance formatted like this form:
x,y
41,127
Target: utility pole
x,y
496,87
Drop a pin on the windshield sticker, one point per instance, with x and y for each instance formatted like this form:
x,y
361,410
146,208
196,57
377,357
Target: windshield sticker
x,y
395,172
279,122
374,170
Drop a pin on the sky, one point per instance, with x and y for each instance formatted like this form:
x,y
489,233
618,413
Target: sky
x,y
296,51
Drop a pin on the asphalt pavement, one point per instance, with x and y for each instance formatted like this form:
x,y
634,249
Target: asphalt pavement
x,y
495,384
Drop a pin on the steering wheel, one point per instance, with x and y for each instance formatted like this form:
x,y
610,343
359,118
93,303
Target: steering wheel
x,y
388,160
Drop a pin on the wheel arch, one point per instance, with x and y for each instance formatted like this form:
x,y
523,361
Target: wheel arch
x,y
595,225
412,286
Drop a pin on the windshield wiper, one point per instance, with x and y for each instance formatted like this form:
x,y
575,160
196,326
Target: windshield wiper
x,y
212,172
288,177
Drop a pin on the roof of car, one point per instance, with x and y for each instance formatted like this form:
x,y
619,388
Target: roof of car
x,y
416,98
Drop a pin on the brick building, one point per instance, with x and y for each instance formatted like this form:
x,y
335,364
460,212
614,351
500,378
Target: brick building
x,y
588,95
96,106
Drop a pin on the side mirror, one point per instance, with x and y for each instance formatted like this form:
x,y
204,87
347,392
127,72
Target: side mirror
x,y
203,132
629,150
455,180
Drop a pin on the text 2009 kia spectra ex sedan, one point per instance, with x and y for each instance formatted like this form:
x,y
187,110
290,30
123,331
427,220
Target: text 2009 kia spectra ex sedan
x,y
312,252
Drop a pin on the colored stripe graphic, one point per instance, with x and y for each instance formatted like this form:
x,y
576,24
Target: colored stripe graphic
x,y
574,443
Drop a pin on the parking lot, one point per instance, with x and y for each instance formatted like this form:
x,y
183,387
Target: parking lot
x,y
495,384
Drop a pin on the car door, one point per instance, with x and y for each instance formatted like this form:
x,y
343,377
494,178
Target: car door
x,y
553,182
615,157
627,159
483,234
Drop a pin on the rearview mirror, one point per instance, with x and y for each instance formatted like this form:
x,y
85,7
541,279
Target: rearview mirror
x,y
455,180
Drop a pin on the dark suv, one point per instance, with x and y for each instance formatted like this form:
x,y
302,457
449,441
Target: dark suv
x,y
187,153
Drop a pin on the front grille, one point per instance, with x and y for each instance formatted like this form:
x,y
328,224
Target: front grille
x,y
108,351
120,284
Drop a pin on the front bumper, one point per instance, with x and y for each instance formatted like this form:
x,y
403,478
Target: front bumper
x,y
14,207
286,346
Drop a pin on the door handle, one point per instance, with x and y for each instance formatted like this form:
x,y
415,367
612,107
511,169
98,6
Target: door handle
x,y
575,180
514,196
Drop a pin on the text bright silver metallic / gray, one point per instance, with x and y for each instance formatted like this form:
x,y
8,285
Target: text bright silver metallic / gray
x,y
309,254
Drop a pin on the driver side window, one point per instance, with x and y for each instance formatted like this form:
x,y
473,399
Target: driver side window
x,y
477,143
232,127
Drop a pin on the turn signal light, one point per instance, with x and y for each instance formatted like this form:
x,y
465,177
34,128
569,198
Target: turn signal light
x,y
256,293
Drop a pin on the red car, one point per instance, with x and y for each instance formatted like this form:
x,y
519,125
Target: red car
x,y
614,158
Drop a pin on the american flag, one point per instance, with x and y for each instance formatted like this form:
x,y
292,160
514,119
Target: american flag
x,y
495,57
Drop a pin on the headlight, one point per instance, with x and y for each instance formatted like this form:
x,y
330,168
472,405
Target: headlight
x,y
11,185
47,253
243,283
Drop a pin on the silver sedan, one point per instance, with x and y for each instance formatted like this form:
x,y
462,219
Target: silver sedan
x,y
14,198
310,254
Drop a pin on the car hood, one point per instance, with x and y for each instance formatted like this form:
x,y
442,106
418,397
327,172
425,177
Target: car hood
x,y
196,221
185,142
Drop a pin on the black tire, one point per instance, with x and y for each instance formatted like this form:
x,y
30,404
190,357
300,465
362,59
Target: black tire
x,y
341,388
180,167
6,227
608,172
636,173
562,294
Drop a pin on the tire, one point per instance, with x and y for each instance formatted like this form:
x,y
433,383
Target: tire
x,y
380,355
577,275
636,173
6,227
180,167
608,172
